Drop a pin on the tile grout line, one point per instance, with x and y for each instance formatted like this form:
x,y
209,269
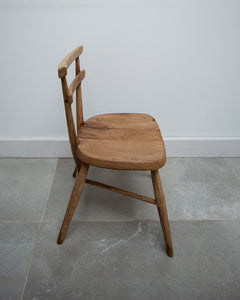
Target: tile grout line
x,y
236,174
38,231
140,220
120,220
204,242
19,221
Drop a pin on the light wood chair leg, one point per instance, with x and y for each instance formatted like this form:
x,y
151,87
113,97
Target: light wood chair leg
x,y
162,211
75,196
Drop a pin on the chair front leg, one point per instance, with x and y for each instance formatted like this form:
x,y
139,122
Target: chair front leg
x,y
162,210
75,196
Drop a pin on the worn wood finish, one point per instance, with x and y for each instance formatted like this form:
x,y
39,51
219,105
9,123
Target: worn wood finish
x,y
76,193
122,120
162,210
66,62
121,191
118,134
123,141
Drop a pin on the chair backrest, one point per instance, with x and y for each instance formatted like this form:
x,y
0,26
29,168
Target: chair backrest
x,y
68,91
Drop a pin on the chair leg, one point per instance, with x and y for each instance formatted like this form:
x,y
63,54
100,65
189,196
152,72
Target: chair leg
x,y
162,210
75,196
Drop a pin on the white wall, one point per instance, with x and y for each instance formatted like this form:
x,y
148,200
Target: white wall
x,y
178,60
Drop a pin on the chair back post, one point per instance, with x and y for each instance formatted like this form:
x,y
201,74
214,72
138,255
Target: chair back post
x,y
79,106
70,121
68,97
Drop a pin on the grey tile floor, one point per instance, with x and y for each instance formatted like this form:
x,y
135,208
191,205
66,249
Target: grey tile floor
x,y
114,248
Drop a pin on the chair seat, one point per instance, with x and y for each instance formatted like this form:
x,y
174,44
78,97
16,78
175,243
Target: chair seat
x,y
125,141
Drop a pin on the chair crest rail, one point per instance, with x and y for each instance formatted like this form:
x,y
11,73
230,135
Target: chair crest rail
x,y
66,62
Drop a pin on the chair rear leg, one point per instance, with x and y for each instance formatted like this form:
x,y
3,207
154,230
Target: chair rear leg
x,y
75,196
162,211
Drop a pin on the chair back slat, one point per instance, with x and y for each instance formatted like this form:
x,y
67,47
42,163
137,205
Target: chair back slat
x,y
75,84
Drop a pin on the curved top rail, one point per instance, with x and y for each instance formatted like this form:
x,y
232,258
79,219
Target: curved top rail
x,y
65,63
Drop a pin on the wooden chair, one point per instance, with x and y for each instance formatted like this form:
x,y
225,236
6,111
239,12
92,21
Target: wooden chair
x,y
122,141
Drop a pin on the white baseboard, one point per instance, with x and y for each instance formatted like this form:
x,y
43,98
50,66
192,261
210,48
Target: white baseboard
x,y
176,147
41,147
203,147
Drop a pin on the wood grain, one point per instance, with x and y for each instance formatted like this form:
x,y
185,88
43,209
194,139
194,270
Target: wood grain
x,y
118,133
122,155
123,120
135,143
